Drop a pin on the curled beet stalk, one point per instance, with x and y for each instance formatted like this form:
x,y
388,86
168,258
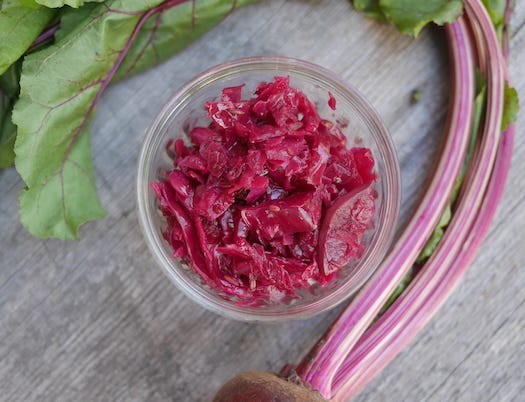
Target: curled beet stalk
x,y
362,366
356,348
358,354
332,350
381,343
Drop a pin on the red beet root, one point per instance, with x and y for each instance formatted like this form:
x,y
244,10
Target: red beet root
x,y
263,386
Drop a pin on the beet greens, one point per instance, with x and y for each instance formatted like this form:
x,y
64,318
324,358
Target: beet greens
x,y
65,70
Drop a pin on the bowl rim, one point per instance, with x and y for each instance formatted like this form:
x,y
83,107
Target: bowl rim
x,y
154,132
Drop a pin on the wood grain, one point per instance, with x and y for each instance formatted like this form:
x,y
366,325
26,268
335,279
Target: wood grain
x,y
96,320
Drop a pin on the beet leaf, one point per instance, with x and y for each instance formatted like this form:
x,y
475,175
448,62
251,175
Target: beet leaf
x,y
8,94
410,16
19,26
60,87
511,106
371,9
70,3
496,11
172,29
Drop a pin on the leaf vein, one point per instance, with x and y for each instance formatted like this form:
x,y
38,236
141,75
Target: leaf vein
x,y
71,39
151,38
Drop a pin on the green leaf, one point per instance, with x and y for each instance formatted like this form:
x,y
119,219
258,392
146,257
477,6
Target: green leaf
x,y
370,8
171,30
71,19
9,80
66,200
30,3
496,11
511,106
60,86
71,3
20,25
437,235
7,141
410,16
9,89
398,291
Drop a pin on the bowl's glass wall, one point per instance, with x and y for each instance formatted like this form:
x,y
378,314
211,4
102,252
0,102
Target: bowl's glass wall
x,y
359,122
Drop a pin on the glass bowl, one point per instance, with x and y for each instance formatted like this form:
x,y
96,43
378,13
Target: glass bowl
x,y
362,127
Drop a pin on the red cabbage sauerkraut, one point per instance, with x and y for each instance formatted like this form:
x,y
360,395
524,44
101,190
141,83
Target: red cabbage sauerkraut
x,y
267,199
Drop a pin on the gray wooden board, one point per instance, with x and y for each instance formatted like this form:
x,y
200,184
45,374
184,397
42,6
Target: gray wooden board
x,y
96,320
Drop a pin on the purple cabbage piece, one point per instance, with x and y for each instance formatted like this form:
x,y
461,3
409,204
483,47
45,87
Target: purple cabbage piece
x,y
250,200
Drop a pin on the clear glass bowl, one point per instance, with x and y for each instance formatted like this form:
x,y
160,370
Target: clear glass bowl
x,y
363,127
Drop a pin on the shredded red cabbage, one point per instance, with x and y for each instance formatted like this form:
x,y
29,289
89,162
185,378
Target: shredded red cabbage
x,y
267,199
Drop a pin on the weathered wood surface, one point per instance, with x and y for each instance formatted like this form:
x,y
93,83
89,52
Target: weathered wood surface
x,y
96,320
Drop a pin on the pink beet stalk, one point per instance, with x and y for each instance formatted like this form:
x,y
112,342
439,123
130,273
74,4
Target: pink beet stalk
x,y
338,344
353,351
462,69
357,374
443,271
320,367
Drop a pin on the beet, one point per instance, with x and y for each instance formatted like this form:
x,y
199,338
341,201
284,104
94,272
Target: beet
x,y
263,386
255,204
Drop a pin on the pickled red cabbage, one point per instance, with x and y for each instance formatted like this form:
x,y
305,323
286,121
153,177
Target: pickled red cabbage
x,y
267,199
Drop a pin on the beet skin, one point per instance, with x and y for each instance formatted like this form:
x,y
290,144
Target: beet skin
x,y
263,386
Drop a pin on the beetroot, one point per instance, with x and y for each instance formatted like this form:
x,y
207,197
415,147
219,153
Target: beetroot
x,y
263,386
267,199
